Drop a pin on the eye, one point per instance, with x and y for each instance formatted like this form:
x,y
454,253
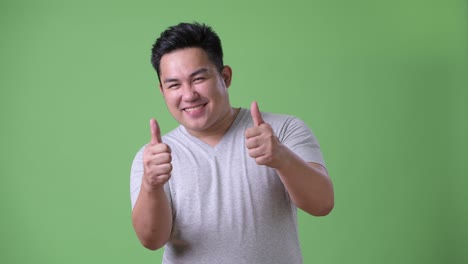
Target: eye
x,y
198,79
173,86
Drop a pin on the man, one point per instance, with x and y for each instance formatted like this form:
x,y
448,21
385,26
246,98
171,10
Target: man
x,y
223,187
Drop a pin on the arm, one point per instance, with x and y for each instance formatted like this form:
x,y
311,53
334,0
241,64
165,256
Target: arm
x,y
152,219
308,184
151,215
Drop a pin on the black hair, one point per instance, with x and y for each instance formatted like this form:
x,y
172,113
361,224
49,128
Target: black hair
x,y
186,35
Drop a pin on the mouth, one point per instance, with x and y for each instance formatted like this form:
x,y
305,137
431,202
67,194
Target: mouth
x,y
193,108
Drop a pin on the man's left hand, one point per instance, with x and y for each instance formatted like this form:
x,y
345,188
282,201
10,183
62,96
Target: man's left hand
x,y
261,141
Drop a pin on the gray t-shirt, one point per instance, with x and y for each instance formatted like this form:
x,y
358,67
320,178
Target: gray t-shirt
x,y
227,208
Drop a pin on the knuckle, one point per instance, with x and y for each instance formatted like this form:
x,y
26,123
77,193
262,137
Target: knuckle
x,y
247,133
167,168
147,158
167,157
164,178
260,161
165,147
249,144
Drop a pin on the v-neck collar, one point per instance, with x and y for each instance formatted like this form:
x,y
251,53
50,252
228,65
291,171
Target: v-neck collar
x,y
205,146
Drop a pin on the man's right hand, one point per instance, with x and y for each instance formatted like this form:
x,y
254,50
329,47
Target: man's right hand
x,y
156,160
151,215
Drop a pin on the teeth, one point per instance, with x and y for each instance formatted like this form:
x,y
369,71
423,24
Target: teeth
x,y
193,108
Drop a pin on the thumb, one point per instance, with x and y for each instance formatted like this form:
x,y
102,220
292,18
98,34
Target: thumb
x,y
155,132
256,115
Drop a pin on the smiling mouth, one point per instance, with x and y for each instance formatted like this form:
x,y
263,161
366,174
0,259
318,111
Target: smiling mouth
x,y
190,109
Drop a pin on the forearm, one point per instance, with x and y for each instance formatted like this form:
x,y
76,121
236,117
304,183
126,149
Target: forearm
x,y
308,185
152,218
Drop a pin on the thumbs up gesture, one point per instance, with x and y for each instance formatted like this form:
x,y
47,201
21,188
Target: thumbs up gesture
x,y
261,141
156,160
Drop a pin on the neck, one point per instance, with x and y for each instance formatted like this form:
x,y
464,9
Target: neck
x,y
216,133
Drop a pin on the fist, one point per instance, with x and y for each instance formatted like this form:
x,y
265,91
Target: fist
x,y
156,160
261,141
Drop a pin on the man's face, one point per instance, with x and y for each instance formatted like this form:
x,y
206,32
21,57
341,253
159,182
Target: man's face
x,y
194,90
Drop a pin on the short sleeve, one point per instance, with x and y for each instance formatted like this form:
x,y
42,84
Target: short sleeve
x,y
299,138
136,176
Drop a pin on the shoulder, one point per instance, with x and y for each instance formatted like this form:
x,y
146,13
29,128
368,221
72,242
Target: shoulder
x,y
274,119
174,136
280,122
289,127
277,118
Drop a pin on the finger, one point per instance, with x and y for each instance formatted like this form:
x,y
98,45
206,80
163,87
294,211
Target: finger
x,y
158,148
252,143
256,153
156,170
155,132
161,158
256,115
252,132
163,169
263,160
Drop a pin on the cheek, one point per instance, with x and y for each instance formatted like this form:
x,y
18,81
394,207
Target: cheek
x,y
216,90
171,96
171,100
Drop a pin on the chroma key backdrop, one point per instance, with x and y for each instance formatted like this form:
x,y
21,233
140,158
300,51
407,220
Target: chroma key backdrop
x,y
383,85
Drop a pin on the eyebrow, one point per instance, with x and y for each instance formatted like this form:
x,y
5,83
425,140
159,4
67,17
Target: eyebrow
x,y
202,70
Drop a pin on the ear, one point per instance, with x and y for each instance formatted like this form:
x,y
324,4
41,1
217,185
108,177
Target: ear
x,y
227,75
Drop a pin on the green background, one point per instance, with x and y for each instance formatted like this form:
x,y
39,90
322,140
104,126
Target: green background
x,y
383,84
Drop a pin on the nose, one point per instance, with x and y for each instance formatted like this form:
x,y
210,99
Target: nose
x,y
189,93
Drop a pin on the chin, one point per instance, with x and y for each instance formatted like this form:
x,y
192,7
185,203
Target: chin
x,y
194,126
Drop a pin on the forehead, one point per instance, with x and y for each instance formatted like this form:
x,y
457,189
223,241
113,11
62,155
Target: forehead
x,y
181,62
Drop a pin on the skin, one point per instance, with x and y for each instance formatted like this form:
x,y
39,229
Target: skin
x,y
307,183
152,216
196,95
